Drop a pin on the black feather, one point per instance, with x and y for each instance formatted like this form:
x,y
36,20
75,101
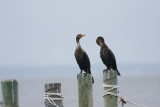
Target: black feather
x,y
107,55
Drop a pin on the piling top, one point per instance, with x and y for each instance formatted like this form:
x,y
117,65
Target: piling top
x,y
53,87
9,80
85,79
109,74
52,99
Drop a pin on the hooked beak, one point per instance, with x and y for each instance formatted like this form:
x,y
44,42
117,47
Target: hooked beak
x,y
99,43
83,35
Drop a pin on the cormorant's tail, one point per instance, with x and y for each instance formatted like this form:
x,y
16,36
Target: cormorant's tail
x,y
92,80
92,77
118,73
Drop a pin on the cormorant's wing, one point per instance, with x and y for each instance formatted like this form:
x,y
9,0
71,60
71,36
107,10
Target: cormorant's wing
x,y
86,60
83,60
108,57
113,59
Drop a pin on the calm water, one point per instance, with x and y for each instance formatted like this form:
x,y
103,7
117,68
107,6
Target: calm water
x,y
137,84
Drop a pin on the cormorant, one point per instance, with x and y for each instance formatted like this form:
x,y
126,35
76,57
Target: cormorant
x,y
82,57
107,55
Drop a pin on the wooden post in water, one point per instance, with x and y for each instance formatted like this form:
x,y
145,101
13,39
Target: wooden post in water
x,y
10,93
85,90
110,81
53,96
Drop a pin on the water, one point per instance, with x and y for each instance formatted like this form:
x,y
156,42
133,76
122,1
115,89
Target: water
x,y
139,85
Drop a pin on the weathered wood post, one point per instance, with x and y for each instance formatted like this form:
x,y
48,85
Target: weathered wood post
x,y
110,88
10,93
53,96
85,90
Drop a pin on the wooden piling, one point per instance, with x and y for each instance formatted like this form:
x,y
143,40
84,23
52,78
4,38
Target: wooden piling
x,y
51,90
85,90
10,93
110,80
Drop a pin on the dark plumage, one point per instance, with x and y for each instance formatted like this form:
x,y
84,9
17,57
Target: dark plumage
x,y
107,55
82,57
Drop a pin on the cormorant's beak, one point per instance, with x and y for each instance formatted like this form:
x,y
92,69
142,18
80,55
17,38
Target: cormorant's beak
x,y
99,43
83,35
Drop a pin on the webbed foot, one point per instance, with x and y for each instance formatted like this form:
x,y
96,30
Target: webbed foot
x,y
78,74
105,70
85,74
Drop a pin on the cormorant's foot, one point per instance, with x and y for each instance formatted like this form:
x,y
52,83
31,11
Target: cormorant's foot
x,y
85,74
105,70
78,74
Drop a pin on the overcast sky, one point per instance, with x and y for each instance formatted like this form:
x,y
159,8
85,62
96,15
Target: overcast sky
x,y
43,32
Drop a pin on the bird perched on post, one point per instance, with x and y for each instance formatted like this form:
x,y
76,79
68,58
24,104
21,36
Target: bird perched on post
x,y
82,57
107,55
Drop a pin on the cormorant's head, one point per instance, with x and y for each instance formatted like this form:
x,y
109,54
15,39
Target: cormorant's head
x,y
79,36
100,40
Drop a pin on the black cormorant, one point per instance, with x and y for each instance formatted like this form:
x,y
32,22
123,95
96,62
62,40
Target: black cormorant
x,y
107,55
82,57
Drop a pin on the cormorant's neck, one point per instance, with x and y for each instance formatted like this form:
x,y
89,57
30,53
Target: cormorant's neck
x,y
78,44
103,45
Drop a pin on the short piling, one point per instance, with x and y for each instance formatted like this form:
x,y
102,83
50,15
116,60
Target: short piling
x,y
85,90
53,96
110,88
10,93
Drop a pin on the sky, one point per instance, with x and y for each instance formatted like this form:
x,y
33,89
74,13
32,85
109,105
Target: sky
x,y
43,32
